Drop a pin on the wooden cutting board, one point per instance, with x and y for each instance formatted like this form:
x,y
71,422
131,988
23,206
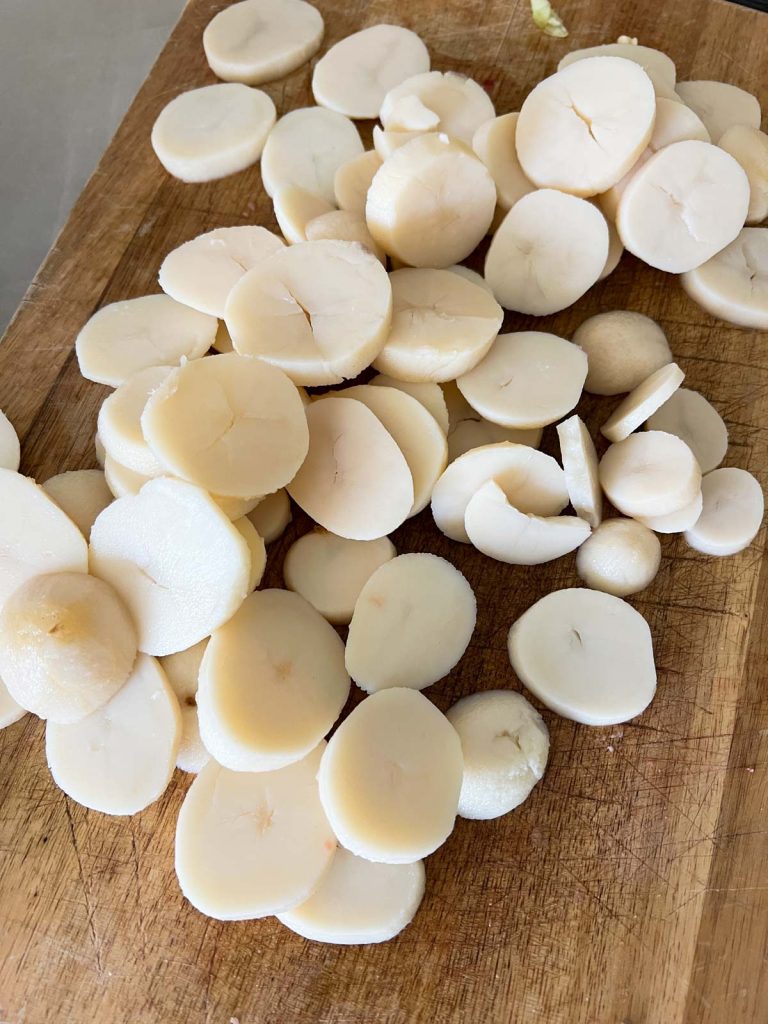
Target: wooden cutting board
x,y
632,887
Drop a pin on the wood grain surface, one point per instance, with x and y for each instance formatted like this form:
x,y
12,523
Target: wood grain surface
x,y
632,887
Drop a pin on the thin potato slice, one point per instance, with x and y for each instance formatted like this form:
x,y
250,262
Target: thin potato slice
x,y
10,711
460,103
657,65
271,515
580,465
257,550
621,557
119,422
467,429
353,179
720,105
182,670
733,285
642,402
427,392
385,143
82,494
10,449
345,227
494,143
623,348
294,208
732,513
750,147
689,416
650,474
675,522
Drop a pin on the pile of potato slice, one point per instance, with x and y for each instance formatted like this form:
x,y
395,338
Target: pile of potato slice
x,y
137,630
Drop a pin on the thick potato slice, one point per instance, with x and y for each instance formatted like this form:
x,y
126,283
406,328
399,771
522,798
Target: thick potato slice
x,y
650,474
82,494
427,392
294,208
733,285
675,522
732,513
623,348
10,449
119,423
657,65
580,465
467,429
689,416
494,143
621,557
10,711
271,515
344,227
720,105
353,179
750,147
182,670
642,402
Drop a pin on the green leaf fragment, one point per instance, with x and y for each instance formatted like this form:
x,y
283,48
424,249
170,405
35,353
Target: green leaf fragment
x,y
549,21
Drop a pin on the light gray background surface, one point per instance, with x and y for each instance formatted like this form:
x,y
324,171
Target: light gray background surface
x,y
68,72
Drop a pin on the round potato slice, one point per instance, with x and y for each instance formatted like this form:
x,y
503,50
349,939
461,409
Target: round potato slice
x,y
732,514
505,743
459,102
686,203
733,285
354,76
271,515
582,476
675,522
750,147
222,342
494,143
533,482
294,208
427,392
390,778
615,251
330,571
528,379
502,532
10,711
182,670
586,655
272,683
689,416
345,227
294,311
355,481
359,902
353,179
431,202
385,143
623,348
212,132
411,625
178,592
621,557
642,402
442,325
306,148
119,422
82,494
231,424
414,431
257,550
650,474
98,449
409,114
10,449
251,844
582,129
657,65
467,429
37,537
258,41
125,337
202,272
120,759
720,105
548,251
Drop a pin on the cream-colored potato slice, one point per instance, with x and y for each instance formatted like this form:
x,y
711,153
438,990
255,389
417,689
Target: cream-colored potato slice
x,y
732,513
442,325
294,311
272,515
494,144
202,272
532,481
409,114
222,342
689,416
675,522
306,148
353,179
359,902
651,473
119,422
354,76
621,557
272,683
67,644
345,227
586,655
294,208
623,348
582,129
470,275
178,563
411,625
120,758
154,330
182,670
733,285
10,711
499,530
212,132
257,550
37,537
427,392
750,147
615,251
415,432
460,103
431,202
99,450
547,252
528,379
720,105
82,494
231,424
390,778
250,844
355,481
10,449
385,143
686,203
261,40
580,465
505,743
467,429
642,402
657,65
330,571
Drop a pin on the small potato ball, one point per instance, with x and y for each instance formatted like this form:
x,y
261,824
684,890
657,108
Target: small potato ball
x,y
621,557
623,349
67,644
